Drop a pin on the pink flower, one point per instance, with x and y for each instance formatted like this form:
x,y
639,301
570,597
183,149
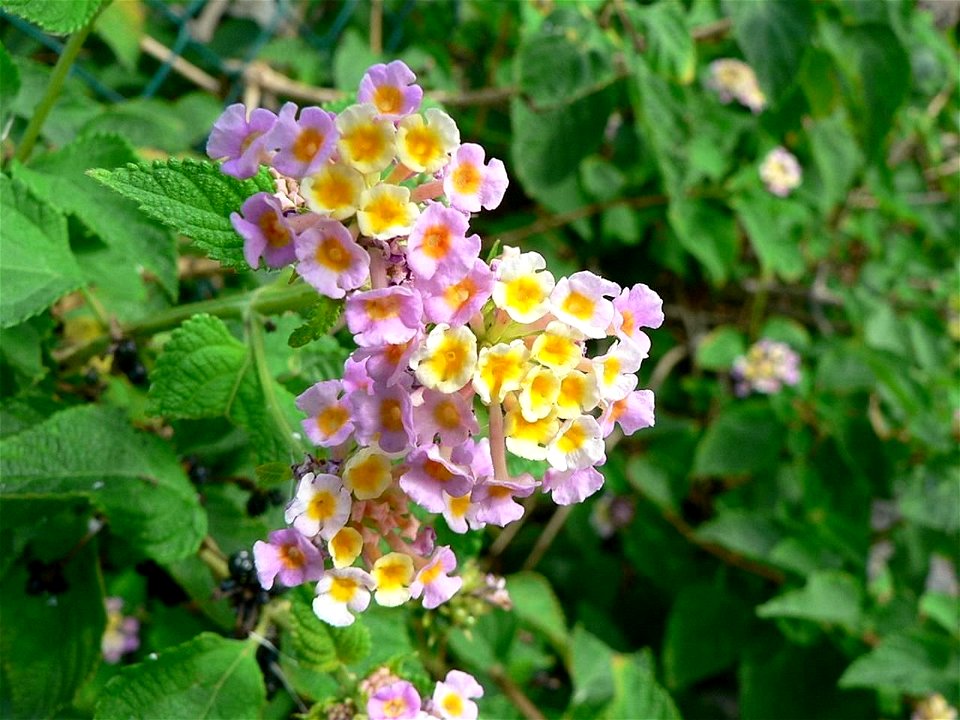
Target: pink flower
x,y
429,474
265,231
396,701
495,502
433,582
580,301
305,144
385,417
330,259
386,316
438,245
633,412
469,184
242,142
330,418
390,89
456,303
388,364
567,487
122,634
448,415
288,555
452,697
636,308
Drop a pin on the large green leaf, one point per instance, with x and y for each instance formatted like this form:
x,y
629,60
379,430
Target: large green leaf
x,y
537,606
135,478
670,48
36,265
10,86
931,500
50,644
192,197
706,628
55,16
321,647
829,596
914,664
762,217
204,371
707,231
60,178
836,156
748,533
744,438
773,34
206,678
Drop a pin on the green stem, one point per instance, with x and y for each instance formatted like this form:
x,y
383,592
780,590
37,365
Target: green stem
x,y
759,305
253,324
57,78
261,301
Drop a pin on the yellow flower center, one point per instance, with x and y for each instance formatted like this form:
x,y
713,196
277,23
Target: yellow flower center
x,y
365,142
466,179
331,254
433,572
611,368
437,471
446,415
453,704
382,308
458,507
332,419
457,294
391,416
331,189
343,589
366,476
385,212
276,233
307,144
388,99
578,305
291,557
422,145
436,241
572,439
449,359
322,506
524,293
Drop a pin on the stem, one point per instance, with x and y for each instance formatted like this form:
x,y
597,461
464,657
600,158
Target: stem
x,y
515,694
497,450
759,305
57,78
274,302
254,330
213,558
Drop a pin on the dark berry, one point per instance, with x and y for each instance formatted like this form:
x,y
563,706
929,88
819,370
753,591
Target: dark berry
x,y
256,504
125,356
199,474
138,374
270,326
46,577
277,497
242,568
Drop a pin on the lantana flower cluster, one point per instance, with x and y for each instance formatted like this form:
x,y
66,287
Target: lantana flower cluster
x,y
122,633
766,368
780,172
733,79
391,698
460,360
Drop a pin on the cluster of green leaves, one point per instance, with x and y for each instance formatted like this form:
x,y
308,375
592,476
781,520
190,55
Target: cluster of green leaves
x,y
783,556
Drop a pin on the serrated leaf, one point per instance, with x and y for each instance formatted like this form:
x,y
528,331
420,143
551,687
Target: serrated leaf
x,y
42,681
36,265
60,178
744,438
774,35
206,678
720,347
670,46
134,478
830,596
193,197
706,231
54,16
536,605
321,646
318,321
914,664
204,372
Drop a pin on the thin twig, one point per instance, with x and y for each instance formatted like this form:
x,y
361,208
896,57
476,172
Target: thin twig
x,y
187,69
515,694
548,535
376,26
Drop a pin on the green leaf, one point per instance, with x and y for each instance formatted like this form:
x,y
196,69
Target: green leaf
x,y
773,34
662,120
50,644
121,27
9,84
943,609
60,178
208,677
204,372
194,198
36,266
159,124
319,320
830,596
536,605
768,231
322,647
720,347
931,500
636,691
54,16
914,664
273,474
744,438
706,628
21,347
748,533
135,478
706,231
670,48
590,669
876,68
837,159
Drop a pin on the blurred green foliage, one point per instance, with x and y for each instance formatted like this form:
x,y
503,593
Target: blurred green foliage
x,y
782,556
